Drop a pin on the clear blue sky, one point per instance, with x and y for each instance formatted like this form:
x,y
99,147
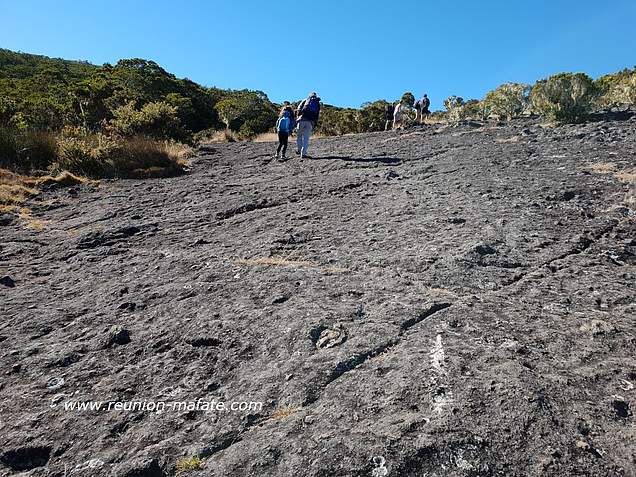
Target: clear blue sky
x,y
348,51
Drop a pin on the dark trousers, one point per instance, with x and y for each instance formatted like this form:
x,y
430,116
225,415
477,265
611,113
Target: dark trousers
x,y
283,138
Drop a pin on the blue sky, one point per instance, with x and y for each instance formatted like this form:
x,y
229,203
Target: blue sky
x,y
348,51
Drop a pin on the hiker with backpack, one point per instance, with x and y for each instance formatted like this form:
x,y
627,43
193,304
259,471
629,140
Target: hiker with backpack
x,y
388,116
284,127
288,107
308,113
421,109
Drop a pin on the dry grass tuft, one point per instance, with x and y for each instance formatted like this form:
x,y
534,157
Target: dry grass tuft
x,y
219,136
31,222
626,176
603,167
180,153
14,190
15,194
140,157
284,412
335,270
276,261
435,120
440,292
64,179
287,262
508,139
266,137
135,157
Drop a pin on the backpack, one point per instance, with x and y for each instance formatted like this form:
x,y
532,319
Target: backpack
x,y
425,103
290,112
311,108
285,124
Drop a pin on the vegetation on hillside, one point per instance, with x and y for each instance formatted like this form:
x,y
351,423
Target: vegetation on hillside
x,y
119,120
109,121
563,98
617,89
37,92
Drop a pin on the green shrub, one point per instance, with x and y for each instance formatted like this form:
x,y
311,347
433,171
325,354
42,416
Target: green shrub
x,y
408,99
454,106
372,116
8,108
247,130
39,150
437,117
337,121
8,147
329,121
189,464
617,89
472,108
86,156
565,97
255,126
155,119
27,150
626,91
453,102
231,109
508,101
408,116
214,135
253,108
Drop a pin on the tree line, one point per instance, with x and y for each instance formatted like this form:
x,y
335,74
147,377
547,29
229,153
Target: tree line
x,y
136,97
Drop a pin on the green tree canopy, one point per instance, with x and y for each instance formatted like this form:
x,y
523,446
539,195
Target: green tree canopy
x,y
564,97
408,99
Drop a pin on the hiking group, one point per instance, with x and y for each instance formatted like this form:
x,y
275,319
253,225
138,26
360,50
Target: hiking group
x,y
305,118
395,112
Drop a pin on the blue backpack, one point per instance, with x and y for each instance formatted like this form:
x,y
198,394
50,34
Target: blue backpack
x,y
313,105
284,124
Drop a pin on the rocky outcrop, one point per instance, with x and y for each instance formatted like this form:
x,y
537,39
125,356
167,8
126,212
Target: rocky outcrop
x,y
435,301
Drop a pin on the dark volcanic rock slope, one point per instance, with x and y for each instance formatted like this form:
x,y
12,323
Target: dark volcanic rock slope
x,y
432,302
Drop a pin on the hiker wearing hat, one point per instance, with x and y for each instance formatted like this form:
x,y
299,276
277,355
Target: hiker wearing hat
x,y
308,112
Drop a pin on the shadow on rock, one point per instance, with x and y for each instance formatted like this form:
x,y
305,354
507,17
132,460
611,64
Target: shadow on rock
x,y
383,160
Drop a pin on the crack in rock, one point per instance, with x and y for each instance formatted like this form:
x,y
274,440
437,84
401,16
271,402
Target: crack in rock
x,y
249,207
583,244
434,308
358,359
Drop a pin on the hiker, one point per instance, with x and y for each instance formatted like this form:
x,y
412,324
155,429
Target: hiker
x,y
308,112
288,107
421,109
388,116
418,111
426,103
397,114
284,127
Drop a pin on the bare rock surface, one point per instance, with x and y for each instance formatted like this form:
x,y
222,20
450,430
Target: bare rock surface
x,y
430,302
